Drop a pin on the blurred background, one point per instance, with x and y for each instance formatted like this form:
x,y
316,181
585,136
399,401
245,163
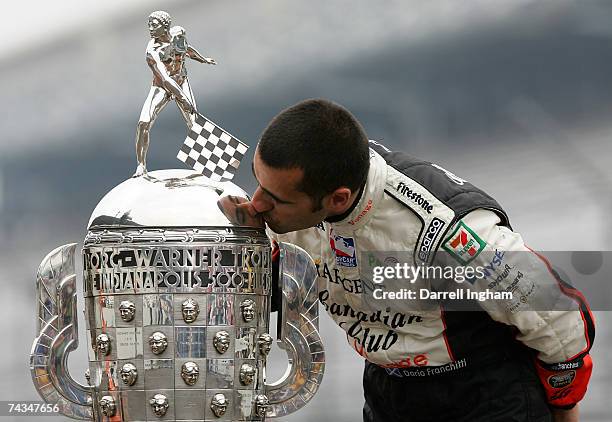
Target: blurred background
x,y
515,96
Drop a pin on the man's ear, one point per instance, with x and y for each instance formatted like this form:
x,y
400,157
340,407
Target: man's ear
x,y
339,200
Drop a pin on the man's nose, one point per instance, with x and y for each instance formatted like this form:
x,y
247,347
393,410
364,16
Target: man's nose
x,y
260,201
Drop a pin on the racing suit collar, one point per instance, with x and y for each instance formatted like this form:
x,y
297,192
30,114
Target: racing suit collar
x,y
370,197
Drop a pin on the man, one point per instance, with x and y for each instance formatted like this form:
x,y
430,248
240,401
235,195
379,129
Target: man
x,y
323,187
166,54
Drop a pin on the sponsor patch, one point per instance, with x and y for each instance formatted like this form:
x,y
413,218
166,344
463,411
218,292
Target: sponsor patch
x,y
561,380
344,248
429,239
463,244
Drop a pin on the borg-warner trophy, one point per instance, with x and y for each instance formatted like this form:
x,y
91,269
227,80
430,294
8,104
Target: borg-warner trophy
x,y
177,287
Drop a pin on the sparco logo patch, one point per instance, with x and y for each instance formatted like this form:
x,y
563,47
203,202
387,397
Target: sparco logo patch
x,y
561,380
429,239
414,197
344,248
464,245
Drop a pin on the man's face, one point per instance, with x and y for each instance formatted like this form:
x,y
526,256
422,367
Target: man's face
x,y
277,199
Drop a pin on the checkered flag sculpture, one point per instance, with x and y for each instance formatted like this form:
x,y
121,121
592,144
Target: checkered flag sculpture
x,y
211,150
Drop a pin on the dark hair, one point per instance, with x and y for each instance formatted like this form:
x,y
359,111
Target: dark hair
x,y
324,140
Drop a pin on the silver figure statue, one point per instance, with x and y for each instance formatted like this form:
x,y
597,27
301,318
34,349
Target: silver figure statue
x,y
128,374
219,404
190,373
166,54
247,307
190,310
158,342
159,404
127,310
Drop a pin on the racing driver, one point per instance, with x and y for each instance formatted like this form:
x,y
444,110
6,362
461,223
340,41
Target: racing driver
x,y
324,187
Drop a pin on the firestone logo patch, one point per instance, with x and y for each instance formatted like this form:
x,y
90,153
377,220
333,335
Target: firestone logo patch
x,y
344,248
464,245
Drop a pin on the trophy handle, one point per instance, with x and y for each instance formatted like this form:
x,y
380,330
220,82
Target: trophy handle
x,y
58,336
299,334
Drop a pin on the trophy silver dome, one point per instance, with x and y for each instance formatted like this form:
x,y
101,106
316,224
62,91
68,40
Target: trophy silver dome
x,y
177,281
167,198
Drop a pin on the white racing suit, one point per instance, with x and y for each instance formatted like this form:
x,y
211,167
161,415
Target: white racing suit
x,y
429,215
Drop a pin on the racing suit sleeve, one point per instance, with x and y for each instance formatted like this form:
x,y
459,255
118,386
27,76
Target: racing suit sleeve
x,y
551,316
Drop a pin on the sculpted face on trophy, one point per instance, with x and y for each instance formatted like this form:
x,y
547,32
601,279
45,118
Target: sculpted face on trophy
x,y
264,342
159,404
158,342
127,310
190,373
103,345
218,404
247,308
247,374
190,310
128,374
261,405
107,405
222,341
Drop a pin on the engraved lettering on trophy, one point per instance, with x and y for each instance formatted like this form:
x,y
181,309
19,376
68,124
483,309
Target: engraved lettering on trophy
x,y
191,310
219,404
165,55
247,308
190,373
221,341
247,374
158,342
107,405
127,310
125,343
261,405
103,345
264,342
159,404
129,374
172,267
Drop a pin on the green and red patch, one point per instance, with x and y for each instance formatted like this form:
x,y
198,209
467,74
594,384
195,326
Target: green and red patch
x,y
464,244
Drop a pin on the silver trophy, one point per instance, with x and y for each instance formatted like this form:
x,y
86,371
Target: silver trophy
x,y
177,288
